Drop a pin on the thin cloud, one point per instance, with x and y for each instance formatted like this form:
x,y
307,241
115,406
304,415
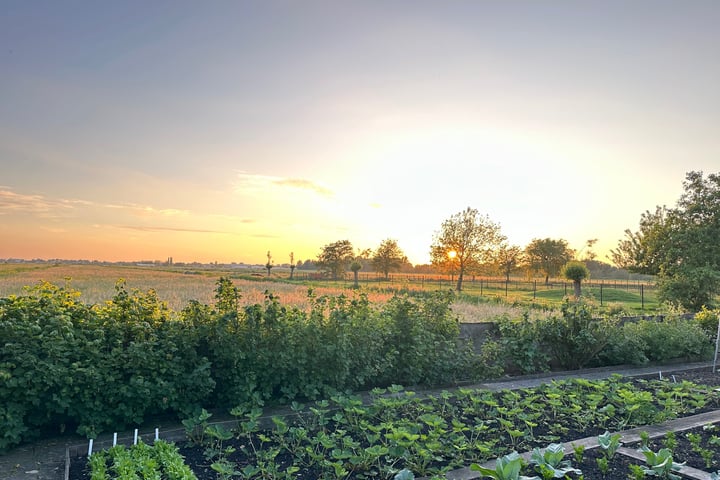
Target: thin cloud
x,y
304,185
253,183
11,202
167,229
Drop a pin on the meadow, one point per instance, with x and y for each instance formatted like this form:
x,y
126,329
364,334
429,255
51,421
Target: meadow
x,y
482,299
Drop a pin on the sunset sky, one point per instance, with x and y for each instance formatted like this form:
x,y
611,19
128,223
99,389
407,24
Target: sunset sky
x,y
216,131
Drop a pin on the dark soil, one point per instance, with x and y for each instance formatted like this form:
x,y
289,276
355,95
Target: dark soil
x,y
683,452
618,465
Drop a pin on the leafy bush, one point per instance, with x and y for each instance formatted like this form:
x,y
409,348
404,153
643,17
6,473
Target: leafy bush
x,y
708,320
671,339
68,365
520,345
576,338
624,347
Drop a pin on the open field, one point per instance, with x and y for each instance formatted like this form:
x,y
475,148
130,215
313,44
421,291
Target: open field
x,y
482,299
174,286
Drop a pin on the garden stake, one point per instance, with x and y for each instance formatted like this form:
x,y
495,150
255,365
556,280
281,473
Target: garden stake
x,y
90,447
157,432
114,439
717,344
135,438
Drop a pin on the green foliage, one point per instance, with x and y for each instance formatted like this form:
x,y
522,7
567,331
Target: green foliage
x,y
577,272
670,339
576,338
708,320
73,366
471,236
388,257
680,245
547,256
335,258
660,464
68,365
161,460
609,443
506,468
520,344
574,270
550,463
348,435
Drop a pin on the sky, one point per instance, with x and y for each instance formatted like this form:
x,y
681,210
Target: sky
x,y
221,130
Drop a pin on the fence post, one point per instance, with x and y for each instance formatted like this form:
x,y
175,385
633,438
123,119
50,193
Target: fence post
x,y
717,345
642,297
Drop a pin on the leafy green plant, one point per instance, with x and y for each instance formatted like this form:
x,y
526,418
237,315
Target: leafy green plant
x,y
225,469
141,461
196,427
550,463
636,472
404,474
578,453
577,337
506,468
603,464
519,344
670,442
609,443
98,466
660,464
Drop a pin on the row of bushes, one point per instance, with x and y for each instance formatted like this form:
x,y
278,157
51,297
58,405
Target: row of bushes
x,y
92,368
577,338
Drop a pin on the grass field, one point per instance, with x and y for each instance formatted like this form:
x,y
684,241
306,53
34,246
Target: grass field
x,y
174,286
481,300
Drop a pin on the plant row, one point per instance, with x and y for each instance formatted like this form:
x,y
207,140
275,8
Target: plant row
x,y
70,366
552,462
398,430
577,338
159,461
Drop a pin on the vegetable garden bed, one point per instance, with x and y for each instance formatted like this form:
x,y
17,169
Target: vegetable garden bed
x,y
344,437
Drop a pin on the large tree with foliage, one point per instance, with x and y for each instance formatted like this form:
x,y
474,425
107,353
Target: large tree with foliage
x,y
335,258
547,256
465,241
680,245
388,257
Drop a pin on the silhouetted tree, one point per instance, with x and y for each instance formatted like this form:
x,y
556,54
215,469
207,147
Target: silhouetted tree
x,y
464,241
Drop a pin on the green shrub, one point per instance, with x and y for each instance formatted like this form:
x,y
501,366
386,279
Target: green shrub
x,y
575,339
671,339
708,320
624,347
92,368
520,346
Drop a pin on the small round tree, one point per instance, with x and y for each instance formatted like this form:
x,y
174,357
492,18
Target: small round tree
x,y
577,272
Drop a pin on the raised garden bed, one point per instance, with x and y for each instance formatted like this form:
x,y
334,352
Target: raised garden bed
x,y
347,438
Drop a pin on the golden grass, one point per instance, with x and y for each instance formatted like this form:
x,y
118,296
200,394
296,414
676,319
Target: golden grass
x,y
97,284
